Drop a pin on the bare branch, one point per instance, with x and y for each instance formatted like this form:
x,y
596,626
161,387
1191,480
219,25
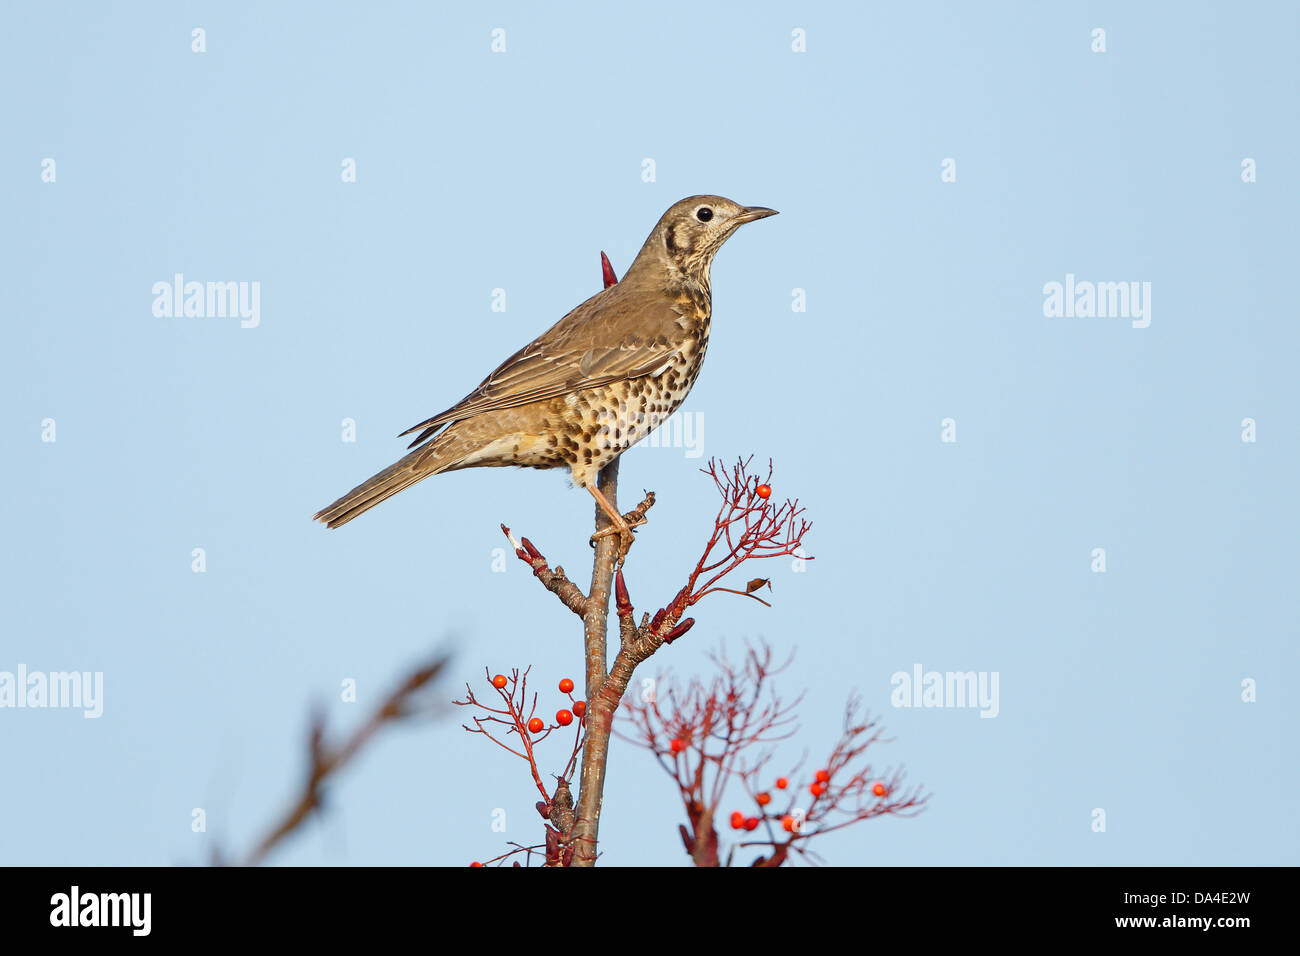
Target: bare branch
x,y
325,761
556,582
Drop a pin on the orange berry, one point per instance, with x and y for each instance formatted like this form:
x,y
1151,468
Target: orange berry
x,y
566,686
879,790
764,491
764,799
823,776
817,789
536,725
787,824
475,863
737,820
563,718
752,823
499,681
579,708
782,783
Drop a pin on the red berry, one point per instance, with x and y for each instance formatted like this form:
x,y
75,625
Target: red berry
x,y
678,746
764,799
563,718
536,725
580,708
823,776
817,789
474,864
787,824
782,783
566,686
764,491
737,820
499,681
879,790
752,823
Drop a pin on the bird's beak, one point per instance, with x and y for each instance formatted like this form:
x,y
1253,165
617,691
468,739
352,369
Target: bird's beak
x,y
754,212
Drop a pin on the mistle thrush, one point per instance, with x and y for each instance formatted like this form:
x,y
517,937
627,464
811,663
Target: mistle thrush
x,y
595,383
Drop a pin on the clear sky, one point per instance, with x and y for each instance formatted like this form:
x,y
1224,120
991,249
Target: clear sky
x,y
1119,690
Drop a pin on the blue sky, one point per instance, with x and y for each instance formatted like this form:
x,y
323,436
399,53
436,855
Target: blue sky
x,y
924,299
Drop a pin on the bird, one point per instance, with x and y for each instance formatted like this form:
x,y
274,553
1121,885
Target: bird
x,y
591,386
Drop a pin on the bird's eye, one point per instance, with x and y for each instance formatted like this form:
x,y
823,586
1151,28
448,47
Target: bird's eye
x,y
704,214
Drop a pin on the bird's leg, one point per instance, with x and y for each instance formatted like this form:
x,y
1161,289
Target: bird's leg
x,y
621,526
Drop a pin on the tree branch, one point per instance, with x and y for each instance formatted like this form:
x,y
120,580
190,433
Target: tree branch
x,y
556,582
600,714
326,760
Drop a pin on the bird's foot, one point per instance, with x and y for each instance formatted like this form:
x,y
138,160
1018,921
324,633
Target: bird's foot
x,y
621,525
623,528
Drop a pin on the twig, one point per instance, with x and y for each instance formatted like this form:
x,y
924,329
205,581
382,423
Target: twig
x,y
326,760
700,734
556,582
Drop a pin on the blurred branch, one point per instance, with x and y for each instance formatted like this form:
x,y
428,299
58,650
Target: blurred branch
x,y
325,760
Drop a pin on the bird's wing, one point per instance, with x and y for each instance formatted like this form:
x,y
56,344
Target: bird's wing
x,y
589,347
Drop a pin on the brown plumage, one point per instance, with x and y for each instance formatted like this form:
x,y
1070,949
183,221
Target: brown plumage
x,y
595,383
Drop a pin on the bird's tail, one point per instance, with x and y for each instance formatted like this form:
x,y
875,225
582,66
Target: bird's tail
x,y
420,463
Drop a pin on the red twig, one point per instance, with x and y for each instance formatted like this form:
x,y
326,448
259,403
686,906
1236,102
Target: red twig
x,y
748,525
706,737
514,716
761,529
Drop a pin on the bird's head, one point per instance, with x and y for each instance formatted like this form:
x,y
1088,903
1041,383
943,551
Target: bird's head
x,y
692,231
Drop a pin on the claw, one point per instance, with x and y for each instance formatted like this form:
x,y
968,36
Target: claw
x,y
626,538
621,525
